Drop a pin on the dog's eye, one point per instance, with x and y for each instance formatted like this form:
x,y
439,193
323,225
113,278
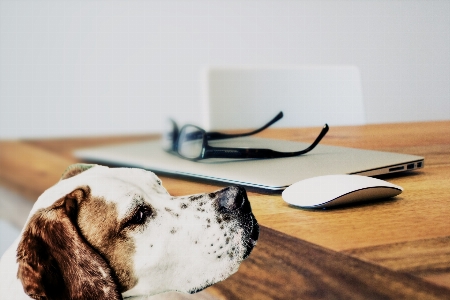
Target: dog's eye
x,y
140,216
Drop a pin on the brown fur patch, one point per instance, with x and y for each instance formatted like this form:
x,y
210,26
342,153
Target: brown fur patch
x,y
55,262
99,224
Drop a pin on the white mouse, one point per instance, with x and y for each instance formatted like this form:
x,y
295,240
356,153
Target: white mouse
x,y
331,190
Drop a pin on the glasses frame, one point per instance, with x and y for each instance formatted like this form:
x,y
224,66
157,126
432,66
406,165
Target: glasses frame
x,y
218,135
209,151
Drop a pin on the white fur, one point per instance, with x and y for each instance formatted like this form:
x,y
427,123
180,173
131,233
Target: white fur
x,y
178,249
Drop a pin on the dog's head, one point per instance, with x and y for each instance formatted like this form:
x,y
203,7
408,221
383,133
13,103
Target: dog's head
x,y
101,232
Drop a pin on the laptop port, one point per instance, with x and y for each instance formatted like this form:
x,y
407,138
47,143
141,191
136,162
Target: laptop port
x,y
395,169
410,166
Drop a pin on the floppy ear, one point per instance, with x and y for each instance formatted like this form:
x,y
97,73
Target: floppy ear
x,y
75,169
55,262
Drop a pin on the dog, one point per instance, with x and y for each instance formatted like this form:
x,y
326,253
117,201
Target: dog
x,y
116,233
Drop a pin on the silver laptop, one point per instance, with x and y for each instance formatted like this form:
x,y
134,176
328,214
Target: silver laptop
x,y
268,174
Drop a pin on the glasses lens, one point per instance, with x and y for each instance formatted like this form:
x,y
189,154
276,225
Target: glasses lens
x,y
169,136
190,142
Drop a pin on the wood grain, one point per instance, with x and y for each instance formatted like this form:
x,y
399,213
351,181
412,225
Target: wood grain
x,y
407,217
282,267
427,258
30,170
65,146
392,249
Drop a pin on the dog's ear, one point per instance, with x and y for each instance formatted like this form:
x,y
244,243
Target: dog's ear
x,y
55,262
75,169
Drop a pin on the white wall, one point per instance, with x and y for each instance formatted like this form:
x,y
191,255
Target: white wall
x,y
110,67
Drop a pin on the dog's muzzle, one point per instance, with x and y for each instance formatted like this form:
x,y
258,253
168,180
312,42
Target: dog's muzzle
x,y
232,203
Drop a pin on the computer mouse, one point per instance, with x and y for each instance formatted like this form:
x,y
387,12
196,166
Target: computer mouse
x,y
333,190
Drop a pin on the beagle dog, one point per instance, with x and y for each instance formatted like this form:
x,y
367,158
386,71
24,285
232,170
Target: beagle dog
x,y
116,233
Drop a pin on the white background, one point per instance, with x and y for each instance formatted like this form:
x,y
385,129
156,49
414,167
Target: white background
x,y
76,68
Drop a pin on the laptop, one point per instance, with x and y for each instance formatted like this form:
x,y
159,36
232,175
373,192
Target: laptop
x,y
266,174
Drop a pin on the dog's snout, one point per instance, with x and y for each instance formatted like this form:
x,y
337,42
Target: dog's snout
x,y
231,198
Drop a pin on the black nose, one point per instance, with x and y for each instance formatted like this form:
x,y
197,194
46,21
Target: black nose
x,y
231,199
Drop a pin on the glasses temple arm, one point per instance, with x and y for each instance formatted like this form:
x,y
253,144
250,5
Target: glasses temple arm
x,y
218,135
318,139
220,152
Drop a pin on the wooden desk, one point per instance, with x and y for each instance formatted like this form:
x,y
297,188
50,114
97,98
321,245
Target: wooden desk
x,y
395,249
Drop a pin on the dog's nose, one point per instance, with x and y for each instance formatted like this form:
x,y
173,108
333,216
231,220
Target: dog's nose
x,y
231,198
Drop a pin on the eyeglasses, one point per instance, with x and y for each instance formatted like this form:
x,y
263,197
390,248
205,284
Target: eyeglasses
x,y
170,138
191,142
